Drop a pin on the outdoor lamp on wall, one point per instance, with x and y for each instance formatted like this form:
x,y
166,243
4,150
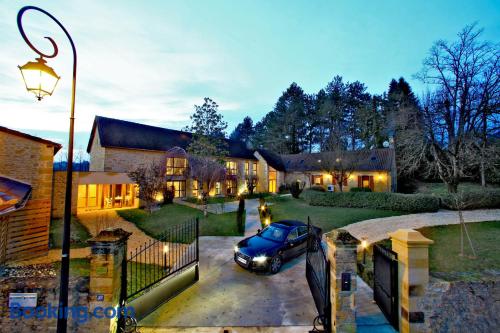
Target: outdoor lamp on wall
x,y
39,78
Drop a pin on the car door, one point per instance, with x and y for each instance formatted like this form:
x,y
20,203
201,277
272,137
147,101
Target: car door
x,y
291,243
302,239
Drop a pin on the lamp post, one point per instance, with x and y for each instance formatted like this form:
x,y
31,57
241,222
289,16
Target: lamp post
x,y
42,80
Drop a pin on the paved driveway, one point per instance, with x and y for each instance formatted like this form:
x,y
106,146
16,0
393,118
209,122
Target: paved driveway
x,y
228,295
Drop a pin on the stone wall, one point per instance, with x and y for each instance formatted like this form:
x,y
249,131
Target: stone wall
x,y
381,180
125,160
47,289
28,161
97,154
59,193
462,306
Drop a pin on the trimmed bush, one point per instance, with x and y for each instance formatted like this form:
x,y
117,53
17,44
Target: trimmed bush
x,y
413,203
283,189
296,189
240,216
360,189
488,198
318,188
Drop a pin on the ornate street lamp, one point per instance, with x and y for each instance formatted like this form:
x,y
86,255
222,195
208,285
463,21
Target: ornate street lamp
x,y
39,78
42,80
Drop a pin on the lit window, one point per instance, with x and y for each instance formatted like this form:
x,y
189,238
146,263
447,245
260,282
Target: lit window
x,y
231,187
196,188
217,188
247,168
176,166
231,168
179,187
254,169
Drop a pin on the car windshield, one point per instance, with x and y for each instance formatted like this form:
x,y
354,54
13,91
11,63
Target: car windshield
x,y
274,234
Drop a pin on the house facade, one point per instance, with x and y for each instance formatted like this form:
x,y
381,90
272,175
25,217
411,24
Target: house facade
x,y
117,147
26,164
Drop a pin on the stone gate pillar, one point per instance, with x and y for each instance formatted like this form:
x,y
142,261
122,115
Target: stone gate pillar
x,y
342,253
413,274
108,254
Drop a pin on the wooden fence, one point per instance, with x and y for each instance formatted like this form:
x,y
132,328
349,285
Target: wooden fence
x,y
25,233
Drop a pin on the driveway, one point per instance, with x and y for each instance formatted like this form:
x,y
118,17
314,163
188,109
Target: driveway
x,y
228,295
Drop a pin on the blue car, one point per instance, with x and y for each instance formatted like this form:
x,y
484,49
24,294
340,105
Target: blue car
x,y
272,246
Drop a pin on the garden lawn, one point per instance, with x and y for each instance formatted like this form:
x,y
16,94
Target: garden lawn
x,y
440,188
169,215
77,267
327,218
78,237
444,259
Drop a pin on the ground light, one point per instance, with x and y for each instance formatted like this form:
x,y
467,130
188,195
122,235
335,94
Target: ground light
x,y
42,80
364,245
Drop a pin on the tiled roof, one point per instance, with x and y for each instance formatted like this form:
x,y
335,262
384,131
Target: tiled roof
x,y
126,134
273,159
363,160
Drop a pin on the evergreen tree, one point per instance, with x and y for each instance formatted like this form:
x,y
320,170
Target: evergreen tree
x,y
208,130
244,131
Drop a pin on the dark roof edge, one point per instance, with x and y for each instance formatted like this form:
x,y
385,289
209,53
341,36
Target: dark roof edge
x,y
56,145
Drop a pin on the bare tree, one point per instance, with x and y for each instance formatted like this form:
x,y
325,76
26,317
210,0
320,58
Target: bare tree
x,y
207,171
449,142
151,181
338,164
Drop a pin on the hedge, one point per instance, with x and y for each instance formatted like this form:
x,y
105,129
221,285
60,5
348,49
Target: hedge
x,y
360,189
487,198
413,203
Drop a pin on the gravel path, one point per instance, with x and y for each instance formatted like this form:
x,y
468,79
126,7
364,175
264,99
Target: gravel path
x,y
377,229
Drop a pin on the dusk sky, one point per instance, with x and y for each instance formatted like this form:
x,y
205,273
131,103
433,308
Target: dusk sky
x,y
151,61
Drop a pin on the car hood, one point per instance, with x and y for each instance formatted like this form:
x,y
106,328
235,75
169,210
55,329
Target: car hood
x,y
256,245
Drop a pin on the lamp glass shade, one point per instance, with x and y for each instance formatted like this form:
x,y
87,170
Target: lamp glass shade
x,y
39,78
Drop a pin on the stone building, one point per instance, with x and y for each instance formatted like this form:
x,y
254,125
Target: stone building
x,y
26,164
117,147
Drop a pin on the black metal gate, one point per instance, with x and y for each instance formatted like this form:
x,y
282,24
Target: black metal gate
x,y
318,277
385,285
173,251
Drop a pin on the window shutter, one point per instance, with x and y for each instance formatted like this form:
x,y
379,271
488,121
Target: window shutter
x,y
371,183
360,181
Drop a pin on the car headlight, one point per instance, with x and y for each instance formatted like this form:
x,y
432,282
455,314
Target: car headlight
x,y
236,248
260,259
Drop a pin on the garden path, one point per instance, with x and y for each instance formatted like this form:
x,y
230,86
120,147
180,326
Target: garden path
x,y
377,229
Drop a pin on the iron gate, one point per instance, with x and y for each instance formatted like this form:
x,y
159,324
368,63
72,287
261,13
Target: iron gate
x,y
385,284
172,252
318,277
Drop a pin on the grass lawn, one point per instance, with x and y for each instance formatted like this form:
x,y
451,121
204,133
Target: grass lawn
x,y
77,267
78,237
444,258
168,215
440,188
327,218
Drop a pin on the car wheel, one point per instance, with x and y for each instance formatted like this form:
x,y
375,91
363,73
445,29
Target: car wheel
x,y
275,264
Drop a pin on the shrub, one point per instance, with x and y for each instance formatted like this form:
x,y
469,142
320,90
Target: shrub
x,y
488,198
360,189
283,189
413,203
240,216
318,188
295,189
